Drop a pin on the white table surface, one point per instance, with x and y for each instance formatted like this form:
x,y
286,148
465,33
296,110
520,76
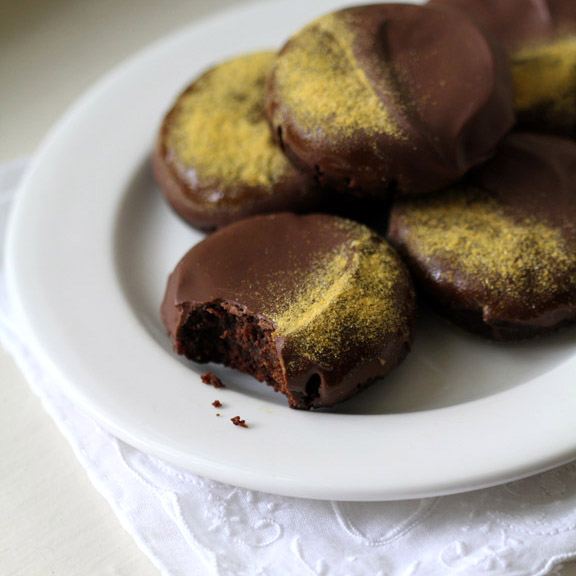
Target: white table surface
x,y
53,521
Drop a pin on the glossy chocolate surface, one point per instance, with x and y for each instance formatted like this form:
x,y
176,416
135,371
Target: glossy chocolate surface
x,y
531,182
338,318
519,23
444,87
215,159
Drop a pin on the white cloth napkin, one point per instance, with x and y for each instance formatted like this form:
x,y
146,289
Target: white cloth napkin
x,y
189,525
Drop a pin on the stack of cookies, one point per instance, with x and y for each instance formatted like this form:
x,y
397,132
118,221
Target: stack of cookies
x,y
445,126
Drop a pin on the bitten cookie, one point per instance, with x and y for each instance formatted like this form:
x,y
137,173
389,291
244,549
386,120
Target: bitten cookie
x,y
390,98
215,160
317,306
497,254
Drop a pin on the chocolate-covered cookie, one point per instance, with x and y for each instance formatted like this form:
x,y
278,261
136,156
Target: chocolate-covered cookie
x,y
215,159
541,40
517,24
390,98
545,84
497,254
317,306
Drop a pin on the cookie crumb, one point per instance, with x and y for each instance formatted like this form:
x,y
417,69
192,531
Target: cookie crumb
x,y
212,380
217,404
237,421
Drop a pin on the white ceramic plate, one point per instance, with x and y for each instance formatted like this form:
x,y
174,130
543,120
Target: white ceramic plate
x,y
91,244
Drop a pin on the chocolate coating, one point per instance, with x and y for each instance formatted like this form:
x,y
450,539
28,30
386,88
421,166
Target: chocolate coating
x,y
518,23
327,305
215,160
497,254
541,40
390,98
545,87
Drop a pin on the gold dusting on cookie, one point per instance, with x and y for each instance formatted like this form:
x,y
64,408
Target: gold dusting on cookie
x,y
350,302
321,82
467,231
545,80
218,130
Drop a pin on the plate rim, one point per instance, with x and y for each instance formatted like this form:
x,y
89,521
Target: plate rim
x,y
21,277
